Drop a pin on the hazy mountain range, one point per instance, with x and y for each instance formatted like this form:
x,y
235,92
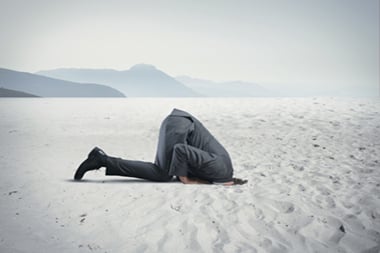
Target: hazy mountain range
x,y
141,80
225,89
144,80
49,87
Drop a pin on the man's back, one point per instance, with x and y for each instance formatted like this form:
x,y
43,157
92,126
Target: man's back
x,y
182,127
173,130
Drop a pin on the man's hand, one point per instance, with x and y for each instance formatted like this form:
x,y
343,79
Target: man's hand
x,y
239,181
236,181
187,180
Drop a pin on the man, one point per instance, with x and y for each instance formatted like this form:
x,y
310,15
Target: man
x,y
186,149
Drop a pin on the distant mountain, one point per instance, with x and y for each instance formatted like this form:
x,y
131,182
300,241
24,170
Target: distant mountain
x,y
141,80
14,93
226,89
50,87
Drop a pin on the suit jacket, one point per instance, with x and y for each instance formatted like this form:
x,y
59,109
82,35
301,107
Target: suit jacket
x,y
182,127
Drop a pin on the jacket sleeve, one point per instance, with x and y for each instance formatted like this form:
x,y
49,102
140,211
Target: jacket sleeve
x,y
186,158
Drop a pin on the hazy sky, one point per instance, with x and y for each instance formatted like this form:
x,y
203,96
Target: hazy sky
x,y
318,44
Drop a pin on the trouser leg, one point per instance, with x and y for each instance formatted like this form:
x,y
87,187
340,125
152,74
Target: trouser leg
x,y
139,169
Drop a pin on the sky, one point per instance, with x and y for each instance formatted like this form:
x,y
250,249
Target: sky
x,y
324,45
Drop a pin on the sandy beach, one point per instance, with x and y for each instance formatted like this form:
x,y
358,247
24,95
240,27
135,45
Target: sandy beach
x,y
312,164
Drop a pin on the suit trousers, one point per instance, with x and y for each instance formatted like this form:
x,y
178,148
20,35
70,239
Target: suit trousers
x,y
186,160
139,169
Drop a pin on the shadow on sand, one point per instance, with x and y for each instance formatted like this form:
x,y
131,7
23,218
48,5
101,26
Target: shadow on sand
x,y
117,181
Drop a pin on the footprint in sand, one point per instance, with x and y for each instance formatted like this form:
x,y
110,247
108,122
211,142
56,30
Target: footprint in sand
x,y
325,201
271,246
297,167
354,223
301,188
354,208
324,229
324,190
283,206
176,207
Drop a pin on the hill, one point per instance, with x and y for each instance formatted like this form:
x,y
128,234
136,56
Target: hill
x,y
14,93
50,87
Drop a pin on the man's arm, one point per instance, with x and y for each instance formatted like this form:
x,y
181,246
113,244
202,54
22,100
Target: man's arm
x,y
187,180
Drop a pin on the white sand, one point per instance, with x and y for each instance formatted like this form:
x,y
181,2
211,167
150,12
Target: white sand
x,y
313,167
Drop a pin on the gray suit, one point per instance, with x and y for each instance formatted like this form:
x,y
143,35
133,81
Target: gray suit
x,y
185,148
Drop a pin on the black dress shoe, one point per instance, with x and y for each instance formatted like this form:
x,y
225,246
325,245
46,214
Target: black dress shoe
x,y
96,159
97,152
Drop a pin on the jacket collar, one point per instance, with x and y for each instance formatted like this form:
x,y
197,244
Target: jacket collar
x,y
177,112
